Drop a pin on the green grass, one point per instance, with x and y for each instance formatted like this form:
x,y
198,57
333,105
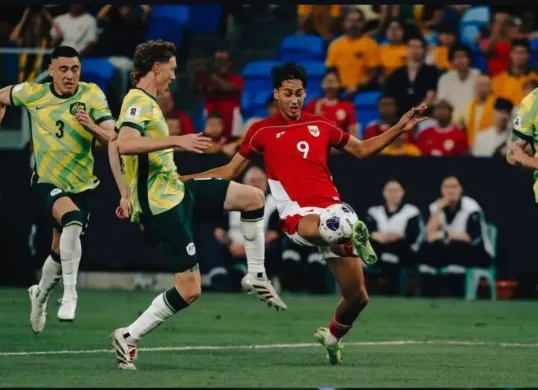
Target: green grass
x,y
238,320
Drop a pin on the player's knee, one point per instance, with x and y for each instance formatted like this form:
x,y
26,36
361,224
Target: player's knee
x,y
257,199
357,296
71,218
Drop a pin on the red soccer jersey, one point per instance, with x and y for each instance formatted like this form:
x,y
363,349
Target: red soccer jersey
x,y
295,155
442,142
374,129
225,103
341,113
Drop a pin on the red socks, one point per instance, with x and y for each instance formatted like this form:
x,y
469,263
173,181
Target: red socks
x,y
338,330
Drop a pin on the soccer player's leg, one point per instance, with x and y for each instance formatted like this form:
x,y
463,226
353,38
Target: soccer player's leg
x,y
215,195
349,276
71,220
50,276
171,232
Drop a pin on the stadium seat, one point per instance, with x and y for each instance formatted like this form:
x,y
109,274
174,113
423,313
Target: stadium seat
x,y
257,75
471,22
474,275
302,48
98,70
168,22
367,99
204,18
255,101
315,71
480,60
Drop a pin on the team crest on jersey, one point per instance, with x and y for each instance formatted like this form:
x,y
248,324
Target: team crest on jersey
x,y
314,130
77,107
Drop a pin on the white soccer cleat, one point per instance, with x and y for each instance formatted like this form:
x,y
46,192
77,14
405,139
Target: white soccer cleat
x,y
38,313
67,310
263,288
126,354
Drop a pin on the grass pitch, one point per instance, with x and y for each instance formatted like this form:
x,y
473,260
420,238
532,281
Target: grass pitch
x,y
233,340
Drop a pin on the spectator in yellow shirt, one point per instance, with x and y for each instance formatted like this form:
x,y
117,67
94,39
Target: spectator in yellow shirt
x,y
354,55
402,147
393,53
509,84
318,19
439,55
478,115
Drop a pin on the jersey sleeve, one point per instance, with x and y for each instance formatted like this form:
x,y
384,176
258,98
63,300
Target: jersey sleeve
x,y
24,94
337,137
524,122
135,114
99,110
249,147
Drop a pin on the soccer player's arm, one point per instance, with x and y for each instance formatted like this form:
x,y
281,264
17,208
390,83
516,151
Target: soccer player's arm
x,y
238,163
370,146
132,125
17,96
523,134
102,124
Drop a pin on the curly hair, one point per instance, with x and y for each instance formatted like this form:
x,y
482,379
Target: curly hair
x,y
148,53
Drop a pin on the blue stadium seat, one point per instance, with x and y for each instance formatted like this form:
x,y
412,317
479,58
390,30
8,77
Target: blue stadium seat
x,y
257,76
205,18
301,48
98,70
367,99
255,102
168,22
471,22
315,71
365,116
178,13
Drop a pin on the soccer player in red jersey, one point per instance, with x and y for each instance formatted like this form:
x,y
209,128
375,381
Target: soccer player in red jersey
x,y
295,146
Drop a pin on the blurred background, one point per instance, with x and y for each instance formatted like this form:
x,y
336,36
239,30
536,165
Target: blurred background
x,y
472,64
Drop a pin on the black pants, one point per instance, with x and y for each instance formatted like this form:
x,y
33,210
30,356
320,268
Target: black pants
x,y
440,254
390,272
303,270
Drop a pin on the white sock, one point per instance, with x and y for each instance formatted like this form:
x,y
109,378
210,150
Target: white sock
x,y
71,252
50,275
254,235
155,315
331,339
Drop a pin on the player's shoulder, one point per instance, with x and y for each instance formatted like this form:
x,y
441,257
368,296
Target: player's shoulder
x,y
469,204
309,117
270,121
30,86
138,98
410,210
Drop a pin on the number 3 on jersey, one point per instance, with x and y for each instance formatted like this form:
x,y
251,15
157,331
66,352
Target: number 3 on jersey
x,y
60,125
303,147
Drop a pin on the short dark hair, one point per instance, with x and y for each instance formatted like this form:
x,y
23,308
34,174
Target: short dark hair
x,y
288,71
460,47
385,97
417,37
148,53
64,51
330,71
356,10
502,104
214,115
521,43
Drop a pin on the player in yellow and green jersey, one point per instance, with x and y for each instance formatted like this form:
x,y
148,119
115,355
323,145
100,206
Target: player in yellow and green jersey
x,y
68,118
524,140
154,196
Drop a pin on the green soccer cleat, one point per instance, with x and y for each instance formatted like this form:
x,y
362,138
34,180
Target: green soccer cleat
x,y
334,351
361,241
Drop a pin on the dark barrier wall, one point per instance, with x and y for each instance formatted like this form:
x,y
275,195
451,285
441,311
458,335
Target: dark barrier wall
x,y
504,192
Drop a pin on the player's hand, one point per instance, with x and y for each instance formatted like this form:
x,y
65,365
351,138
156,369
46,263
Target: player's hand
x,y
193,142
84,119
413,117
441,203
124,210
518,154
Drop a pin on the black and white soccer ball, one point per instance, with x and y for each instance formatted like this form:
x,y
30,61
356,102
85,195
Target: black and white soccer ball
x,y
336,223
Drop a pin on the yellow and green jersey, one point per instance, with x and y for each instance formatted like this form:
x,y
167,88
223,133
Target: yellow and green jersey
x,y
62,147
152,178
526,127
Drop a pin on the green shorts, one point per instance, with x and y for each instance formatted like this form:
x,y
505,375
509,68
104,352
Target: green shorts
x,y
172,231
47,194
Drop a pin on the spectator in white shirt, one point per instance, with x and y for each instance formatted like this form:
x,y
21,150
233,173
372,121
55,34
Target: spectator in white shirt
x,y
457,86
492,141
77,29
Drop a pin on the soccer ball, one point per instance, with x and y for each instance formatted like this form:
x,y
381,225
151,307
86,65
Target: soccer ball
x,y
336,223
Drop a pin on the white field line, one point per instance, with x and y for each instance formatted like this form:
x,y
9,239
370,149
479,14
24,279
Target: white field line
x,y
277,346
